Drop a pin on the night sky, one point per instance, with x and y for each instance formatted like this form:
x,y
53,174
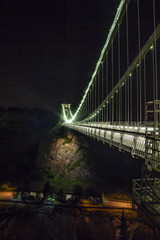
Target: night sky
x,y
49,49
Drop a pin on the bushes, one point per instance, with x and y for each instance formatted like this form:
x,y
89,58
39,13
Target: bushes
x,y
16,195
93,195
76,164
77,193
67,140
6,187
60,196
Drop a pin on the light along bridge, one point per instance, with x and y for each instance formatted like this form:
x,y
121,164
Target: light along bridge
x,y
121,105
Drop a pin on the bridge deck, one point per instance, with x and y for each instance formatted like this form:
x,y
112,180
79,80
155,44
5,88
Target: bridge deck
x,y
126,138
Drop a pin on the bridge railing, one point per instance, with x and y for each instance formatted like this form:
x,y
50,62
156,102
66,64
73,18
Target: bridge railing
x,y
135,127
132,142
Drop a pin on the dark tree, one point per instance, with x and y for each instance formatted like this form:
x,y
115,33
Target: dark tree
x,y
93,195
77,193
46,190
123,228
60,196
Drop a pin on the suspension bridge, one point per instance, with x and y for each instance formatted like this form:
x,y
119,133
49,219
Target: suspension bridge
x,y
121,105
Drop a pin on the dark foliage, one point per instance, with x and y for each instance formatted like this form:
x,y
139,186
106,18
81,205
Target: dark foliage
x,y
77,193
21,131
123,228
47,189
60,196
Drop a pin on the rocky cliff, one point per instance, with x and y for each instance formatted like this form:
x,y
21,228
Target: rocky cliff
x,y
64,156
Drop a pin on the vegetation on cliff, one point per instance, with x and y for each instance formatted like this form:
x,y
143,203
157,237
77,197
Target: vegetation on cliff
x,y
62,159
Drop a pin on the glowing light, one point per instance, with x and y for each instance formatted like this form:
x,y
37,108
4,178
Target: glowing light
x,y
142,128
150,129
64,115
114,24
151,47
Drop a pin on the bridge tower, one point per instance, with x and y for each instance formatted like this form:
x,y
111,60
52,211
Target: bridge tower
x,y
66,110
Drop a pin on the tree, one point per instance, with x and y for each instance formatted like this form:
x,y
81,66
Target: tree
x,y
46,190
77,193
93,195
60,196
123,228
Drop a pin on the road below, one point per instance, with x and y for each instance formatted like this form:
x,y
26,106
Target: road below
x,y
111,203
6,195
117,203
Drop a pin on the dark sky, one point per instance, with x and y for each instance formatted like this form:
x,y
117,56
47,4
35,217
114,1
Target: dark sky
x,y
49,49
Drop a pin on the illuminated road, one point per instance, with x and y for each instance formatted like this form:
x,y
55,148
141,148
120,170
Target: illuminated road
x,y
6,195
108,203
117,204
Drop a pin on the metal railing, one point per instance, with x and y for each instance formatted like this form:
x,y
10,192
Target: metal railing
x,y
123,139
146,195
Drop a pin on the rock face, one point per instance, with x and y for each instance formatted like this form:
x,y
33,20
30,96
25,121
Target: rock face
x,y
66,154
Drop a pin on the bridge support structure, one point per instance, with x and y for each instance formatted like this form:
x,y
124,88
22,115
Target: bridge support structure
x,y
146,191
66,109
